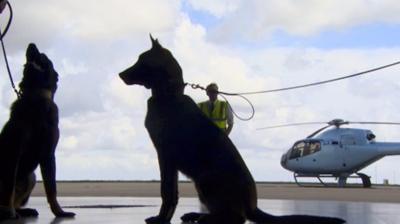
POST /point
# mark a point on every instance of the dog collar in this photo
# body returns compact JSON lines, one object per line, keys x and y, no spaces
{"x":45,"y":93}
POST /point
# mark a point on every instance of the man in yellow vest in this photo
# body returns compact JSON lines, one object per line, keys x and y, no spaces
{"x":217,"y":110}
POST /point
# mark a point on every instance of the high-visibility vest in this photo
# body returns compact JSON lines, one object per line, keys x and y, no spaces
{"x":218,"y":115}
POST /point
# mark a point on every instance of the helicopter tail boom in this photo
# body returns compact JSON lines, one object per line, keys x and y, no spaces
{"x":388,"y":148}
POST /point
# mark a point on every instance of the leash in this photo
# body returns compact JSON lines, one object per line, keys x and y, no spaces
{"x":9,"y":20}
{"x":253,"y":111}
{"x":197,"y":86}
{"x":2,"y":35}
{"x":320,"y":82}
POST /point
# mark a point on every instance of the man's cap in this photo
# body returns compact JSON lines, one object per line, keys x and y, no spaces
{"x":212,"y":87}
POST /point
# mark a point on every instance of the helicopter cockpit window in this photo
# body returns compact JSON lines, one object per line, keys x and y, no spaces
{"x":371,"y":137}
{"x":304,"y":148}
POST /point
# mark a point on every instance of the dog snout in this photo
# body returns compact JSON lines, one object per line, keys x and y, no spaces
{"x":126,"y":78}
{"x":122,"y":75}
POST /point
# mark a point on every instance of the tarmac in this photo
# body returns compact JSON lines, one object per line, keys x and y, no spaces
{"x":123,"y":210}
{"x":134,"y":201}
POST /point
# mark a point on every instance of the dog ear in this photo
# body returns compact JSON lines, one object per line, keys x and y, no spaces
{"x":152,"y":39}
{"x":154,"y":42}
{"x":32,"y":52}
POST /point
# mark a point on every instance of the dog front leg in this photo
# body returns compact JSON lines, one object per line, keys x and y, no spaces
{"x":10,"y":143}
{"x":48,"y":169}
{"x":7,"y":190}
{"x":169,"y":192}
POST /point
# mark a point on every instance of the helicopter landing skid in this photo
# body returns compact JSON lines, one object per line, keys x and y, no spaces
{"x":341,"y":182}
{"x":321,"y":183}
{"x":366,"y":180}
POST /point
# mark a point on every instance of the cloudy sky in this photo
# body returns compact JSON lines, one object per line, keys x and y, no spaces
{"x":243,"y":45}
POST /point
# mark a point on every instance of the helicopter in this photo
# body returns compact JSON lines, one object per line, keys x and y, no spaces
{"x":336,"y":152}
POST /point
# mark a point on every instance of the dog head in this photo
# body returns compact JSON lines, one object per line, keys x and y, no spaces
{"x":39,"y":73}
{"x":155,"y":68}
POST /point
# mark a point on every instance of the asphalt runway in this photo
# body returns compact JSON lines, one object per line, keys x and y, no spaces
{"x":123,"y":210}
{"x":276,"y":191}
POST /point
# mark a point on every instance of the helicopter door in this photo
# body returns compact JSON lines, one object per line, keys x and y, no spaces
{"x":345,"y":142}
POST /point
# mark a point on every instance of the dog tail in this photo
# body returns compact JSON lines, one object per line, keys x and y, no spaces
{"x":258,"y":216}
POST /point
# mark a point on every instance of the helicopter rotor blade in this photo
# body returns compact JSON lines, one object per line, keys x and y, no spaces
{"x":318,"y":131}
{"x":374,"y":122}
{"x":289,"y":125}
{"x":335,"y":122}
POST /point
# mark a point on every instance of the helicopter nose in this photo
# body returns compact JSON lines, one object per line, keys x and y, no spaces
{"x":284,"y":160}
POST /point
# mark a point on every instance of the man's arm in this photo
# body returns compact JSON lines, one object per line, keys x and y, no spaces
{"x":229,"y":121}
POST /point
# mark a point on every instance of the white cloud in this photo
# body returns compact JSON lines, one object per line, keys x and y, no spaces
{"x":47,"y":22}
{"x":70,"y":68}
{"x":257,"y":18}
{"x":216,"y":8}
{"x":129,"y":98}
{"x":99,"y":131}
{"x":70,"y":142}
{"x":204,"y":62}
{"x":93,"y":19}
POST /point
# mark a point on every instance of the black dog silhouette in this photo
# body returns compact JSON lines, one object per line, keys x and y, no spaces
{"x":187,"y":141}
{"x":29,"y":139}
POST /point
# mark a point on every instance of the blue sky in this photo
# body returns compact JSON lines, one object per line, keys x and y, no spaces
{"x":204,"y":18}
{"x":243,"y":45}
{"x":371,"y":35}
{"x":362,"y":37}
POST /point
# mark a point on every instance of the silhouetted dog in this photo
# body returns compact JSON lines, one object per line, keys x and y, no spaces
{"x":29,"y":139}
{"x":187,"y":141}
